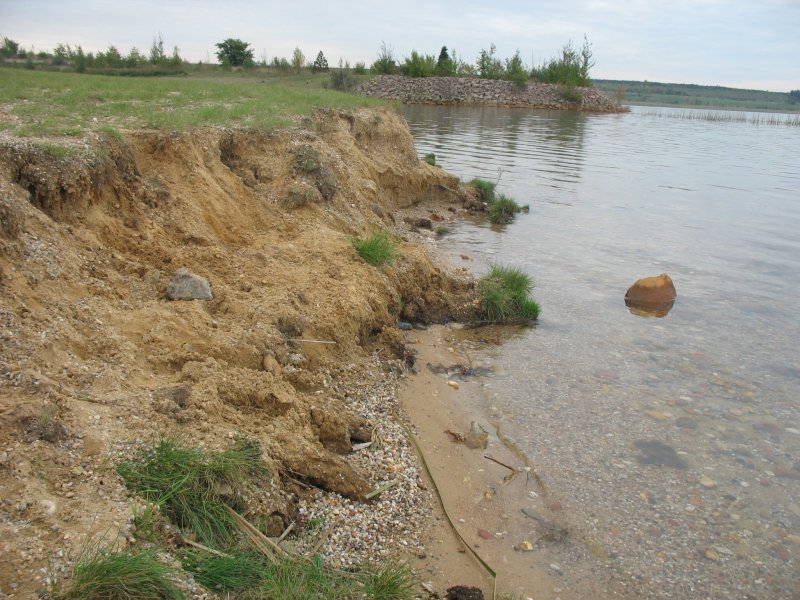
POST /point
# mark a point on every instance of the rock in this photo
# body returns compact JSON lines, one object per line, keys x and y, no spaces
{"x":453,"y":384}
{"x":405,"y":326}
{"x":462,"y":592}
{"x":525,"y":546}
{"x":477,"y":437}
{"x":486,"y":535}
{"x":270,"y":364}
{"x":707,"y":482}
{"x":711,"y":554}
{"x":651,"y":296}
{"x":185,"y":285}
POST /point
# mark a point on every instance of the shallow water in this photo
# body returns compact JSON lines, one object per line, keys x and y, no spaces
{"x":673,"y":443}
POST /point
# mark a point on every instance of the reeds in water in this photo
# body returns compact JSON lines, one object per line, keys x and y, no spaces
{"x":726,"y":116}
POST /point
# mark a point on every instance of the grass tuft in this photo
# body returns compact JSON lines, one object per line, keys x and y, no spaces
{"x":232,"y":573}
{"x":106,"y":573}
{"x":505,"y":296}
{"x":430,"y":158}
{"x":485,"y":188}
{"x":503,"y":210}
{"x":389,"y":581}
{"x":191,"y":488}
{"x":378,"y":249}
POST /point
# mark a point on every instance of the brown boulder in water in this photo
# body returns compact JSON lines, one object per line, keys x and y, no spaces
{"x":651,"y":296}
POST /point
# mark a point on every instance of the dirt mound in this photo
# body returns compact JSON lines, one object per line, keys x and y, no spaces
{"x":95,"y":360}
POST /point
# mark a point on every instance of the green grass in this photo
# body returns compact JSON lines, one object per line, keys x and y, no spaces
{"x":430,"y":158}
{"x":505,"y":296}
{"x":135,"y":575}
{"x":187,"y":485}
{"x":485,"y":188}
{"x":234,"y":572}
{"x":389,"y":581}
{"x":503,"y":209}
{"x":46,"y":103}
{"x":378,"y":249}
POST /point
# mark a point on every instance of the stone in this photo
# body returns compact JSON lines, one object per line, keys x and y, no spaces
{"x":486,"y":535}
{"x":185,"y":285}
{"x":651,"y":296}
{"x":711,"y":554}
{"x":463,"y":592}
{"x":271,"y":365}
{"x":707,"y":482}
{"x":525,"y":546}
{"x":453,"y":384}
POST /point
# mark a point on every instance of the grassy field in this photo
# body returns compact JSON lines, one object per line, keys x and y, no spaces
{"x":48,"y":103}
{"x":652,"y":93}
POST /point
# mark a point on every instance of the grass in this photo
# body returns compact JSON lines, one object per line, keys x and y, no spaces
{"x":503,"y":209}
{"x":378,"y":249}
{"x":430,"y":158}
{"x":485,"y":188}
{"x":234,"y":572}
{"x":186,"y":484}
{"x":46,"y":103}
{"x":505,"y":296}
{"x":135,"y":575}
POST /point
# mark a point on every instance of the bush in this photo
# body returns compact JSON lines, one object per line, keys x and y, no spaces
{"x":515,"y":71}
{"x":360,"y":68}
{"x":378,"y":249}
{"x":571,"y":69}
{"x":385,"y":64}
{"x":419,"y":65}
{"x":505,"y":296}
{"x":503,"y":210}
{"x":430,"y":158}
{"x":571,"y":94}
{"x":342,"y":80}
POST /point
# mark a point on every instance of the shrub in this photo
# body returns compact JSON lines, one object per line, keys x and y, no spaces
{"x":488,"y":66}
{"x":430,"y":158}
{"x":571,"y":94}
{"x":571,"y":69}
{"x":515,"y":71}
{"x":419,"y":65}
{"x":360,"y":68}
{"x":342,"y":80}
{"x":505,"y":296}
{"x":377,"y":249}
{"x":503,"y":210}
{"x":105,"y":573}
{"x":485,"y":188}
{"x":385,"y":64}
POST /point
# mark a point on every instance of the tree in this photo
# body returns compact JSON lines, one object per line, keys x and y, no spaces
{"x":157,"y":55}
{"x":794,"y":96}
{"x":234,"y":52}
{"x":321,"y":63}
{"x":298,"y":59}
{"x":9,"y":48}
{"x":444,"y":65}
{"x":490,"y":67}
{"x":385,"y":65}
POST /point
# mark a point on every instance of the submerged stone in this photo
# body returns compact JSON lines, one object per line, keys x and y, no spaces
{"x":651,"y":296}
{"x":655,"y":452}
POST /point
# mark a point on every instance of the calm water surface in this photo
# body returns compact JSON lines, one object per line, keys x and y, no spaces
{"x":673,"y":443}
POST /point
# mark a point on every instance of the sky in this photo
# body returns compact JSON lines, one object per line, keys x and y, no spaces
{"x":747,"y":44}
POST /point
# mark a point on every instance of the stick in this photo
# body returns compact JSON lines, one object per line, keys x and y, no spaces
{"x":286,"y":532}
{"x":205,"y":548}
{"x":494,"y":460}
{"x":260,"y":541}
{"x":382,"y":489}
{"x":321,"y":541}
{"x":310,"y":341}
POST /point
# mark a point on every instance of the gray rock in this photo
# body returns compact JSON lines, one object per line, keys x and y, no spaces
{"x":185,"y":285}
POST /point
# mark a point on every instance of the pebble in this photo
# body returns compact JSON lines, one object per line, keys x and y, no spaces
{"x":711,"y":554}
{"x":453,"y":384}
{"x":707,"y":482}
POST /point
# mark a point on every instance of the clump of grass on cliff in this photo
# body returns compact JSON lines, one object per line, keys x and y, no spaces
{"x":107,"y":573}
{"x":233,"y":572}
{"x":377,"y":249}
{"x":505,"y":296}
{"x":187,"y":485}
{"x":503,"y":210}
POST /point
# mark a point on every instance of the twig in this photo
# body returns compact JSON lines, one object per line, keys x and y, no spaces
{"x":365,"y":445}
{"x":502,"y":464}
{"x":285,"y":532}
{"x":320,"y":542}
{"x":259,"y":540}
{"x":382,"y":489}
{"x":310,"y":341}
{"x":204,"y":548}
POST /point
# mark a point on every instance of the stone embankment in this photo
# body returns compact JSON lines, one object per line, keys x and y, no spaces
{"x":487,"y":92}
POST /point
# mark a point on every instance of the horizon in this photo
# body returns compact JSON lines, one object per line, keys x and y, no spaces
{"x":691,"y":42}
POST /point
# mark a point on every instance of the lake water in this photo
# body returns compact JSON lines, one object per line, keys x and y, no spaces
{"x":672,"y":443}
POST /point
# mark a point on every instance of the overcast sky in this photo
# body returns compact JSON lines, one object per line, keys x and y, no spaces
{"x":749,"y":44}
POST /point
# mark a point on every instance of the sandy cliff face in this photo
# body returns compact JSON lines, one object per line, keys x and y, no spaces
{"x":95,"y":360}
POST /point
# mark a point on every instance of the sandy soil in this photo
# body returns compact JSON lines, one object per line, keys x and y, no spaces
{"x":95,"y":360}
